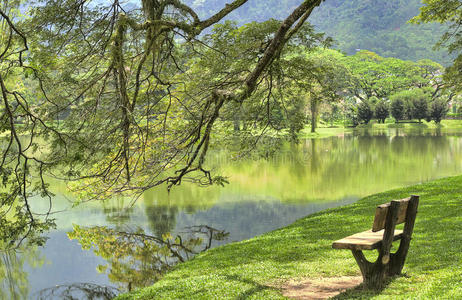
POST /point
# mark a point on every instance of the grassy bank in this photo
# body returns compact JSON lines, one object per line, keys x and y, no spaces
{"x":445,"y":124}
{"x":324,"y":130}
{"x":321,"y":132}
{"x":256,"y":268}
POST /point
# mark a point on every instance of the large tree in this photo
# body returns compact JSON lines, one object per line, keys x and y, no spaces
{"x":19,"y":127}
{"x":377,"y":76}
{"x":321,"y":76}
{"x":446,"y":12}
{"x":125,"y":97}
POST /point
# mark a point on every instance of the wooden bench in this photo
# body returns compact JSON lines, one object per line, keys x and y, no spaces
{"x":381,"y":237}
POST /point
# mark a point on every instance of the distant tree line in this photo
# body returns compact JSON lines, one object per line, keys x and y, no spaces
{"x":319,"y":84}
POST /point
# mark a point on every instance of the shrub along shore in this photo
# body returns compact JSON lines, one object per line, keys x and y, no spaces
{"x":325,"y":130}
{"x":259,"y":267}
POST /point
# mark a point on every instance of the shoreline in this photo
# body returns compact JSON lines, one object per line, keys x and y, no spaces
{"x":259,"y":267}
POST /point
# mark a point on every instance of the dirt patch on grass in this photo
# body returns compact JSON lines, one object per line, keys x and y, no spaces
{"x":322,"y":288}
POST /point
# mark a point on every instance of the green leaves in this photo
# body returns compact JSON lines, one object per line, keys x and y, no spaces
{"x":449,"y":12}
{"x":220,"y":180}
{"x":382,"y":110}
{"x":438,"y":110}
{"x":410,"y":104}
{"x":365,"y":112}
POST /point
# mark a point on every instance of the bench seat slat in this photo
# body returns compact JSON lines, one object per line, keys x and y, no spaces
{"x":366,"y":240}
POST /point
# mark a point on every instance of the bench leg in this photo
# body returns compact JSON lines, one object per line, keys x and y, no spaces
{"x":374,"y":274}
{"x":397,"y":259}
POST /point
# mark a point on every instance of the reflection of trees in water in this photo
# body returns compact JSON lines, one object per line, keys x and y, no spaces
{"x":438,"y":131}
{"x":382,"y":141}
{"x":14,"y":283}
{"x":260,"y":147}
{"x":246,"y":219}
{"x":397,"y":144}
{"x":78,"y":291}
{"x":136,"y":259}
{"x":117,"y":211}
{"x":314,"y":157}
{"x":366,"y":143}
{"x":162,"y":219}
{"x":420,"y":145}
{"x":355,"y":164}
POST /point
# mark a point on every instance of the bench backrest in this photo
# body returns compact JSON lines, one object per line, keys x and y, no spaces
{"x":382,"y":211}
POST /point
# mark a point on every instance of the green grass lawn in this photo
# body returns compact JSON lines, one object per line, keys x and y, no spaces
{"x":321,"y":132}
{"x":256,"y":268}
{"x":324,"y":130}
{"x":445,"y":124}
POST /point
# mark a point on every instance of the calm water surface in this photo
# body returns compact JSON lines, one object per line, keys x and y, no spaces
{"x":263,"y":195}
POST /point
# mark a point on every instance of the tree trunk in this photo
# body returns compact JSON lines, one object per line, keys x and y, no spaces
{"x":314,"y":113}
{"x":237,"y":123}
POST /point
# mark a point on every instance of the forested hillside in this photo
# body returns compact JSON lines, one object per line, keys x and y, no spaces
{"x":376,"y":25}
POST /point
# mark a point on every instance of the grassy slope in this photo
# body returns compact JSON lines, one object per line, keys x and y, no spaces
{"x":445,"y":124}
{"x":322,"y":131}
{"x":255,"y":268}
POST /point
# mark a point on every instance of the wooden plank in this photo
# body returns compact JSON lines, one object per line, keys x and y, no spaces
{"x":366,"y":240}
{"x":388,"y":235}
{"x":399,"y":257}
{"x":382,"y":210}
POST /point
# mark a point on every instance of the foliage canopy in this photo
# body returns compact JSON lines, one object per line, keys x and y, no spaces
{"x":126,"y":98}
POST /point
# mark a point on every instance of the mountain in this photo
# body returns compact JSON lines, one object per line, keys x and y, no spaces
{"x":380,"y":26}
{"x":376,"y":25}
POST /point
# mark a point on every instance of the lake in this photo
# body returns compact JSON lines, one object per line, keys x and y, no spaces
{"x":263,"y":195}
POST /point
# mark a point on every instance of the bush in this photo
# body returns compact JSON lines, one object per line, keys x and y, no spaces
{"x":352,"y":114}
{"x":408,"y":109}
{"x":410,"y":104}
{"x":439,"y":109}
{"x":397,"y":109}
{"x":382,"y":111}
{"x":420,"y":107}
{"x":365,"y":112}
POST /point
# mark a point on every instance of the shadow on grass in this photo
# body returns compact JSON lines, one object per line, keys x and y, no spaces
{"x":257,"y":288}
{"x":357,"y":293}
{"x":360,"y":292}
